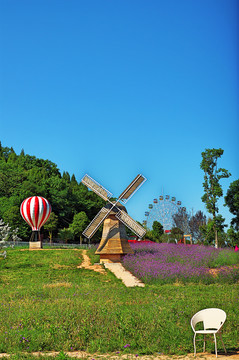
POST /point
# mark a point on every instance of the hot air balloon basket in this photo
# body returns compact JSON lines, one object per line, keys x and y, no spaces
{"x":35,"y":241}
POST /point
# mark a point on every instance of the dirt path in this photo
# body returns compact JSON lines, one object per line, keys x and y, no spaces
{"x":86,"y":264}
{"x":115,"y":356}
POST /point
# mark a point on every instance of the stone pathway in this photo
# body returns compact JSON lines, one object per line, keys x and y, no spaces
{"x":116,"y":268}
{"x":119,"y":271}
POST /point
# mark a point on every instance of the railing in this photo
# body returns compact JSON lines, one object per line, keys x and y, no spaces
{"x":12,"y":244}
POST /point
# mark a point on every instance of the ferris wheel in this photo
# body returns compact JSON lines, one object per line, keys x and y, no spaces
{"x":162,"y":210}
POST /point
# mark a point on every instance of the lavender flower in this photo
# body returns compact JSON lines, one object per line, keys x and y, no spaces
{"x":167,"y":263}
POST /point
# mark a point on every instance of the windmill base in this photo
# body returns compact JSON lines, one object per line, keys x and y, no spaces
{"x":114,"y":243}
{"x":33,"y":245}
{"x":110,"y":258}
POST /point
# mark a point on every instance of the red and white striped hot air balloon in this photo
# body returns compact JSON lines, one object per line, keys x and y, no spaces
{"x":35,"y":210}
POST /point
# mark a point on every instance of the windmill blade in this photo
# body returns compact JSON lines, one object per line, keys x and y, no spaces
{"x":130,"y":223}
{"x":96,"y":222}
{"x":96,"y":187}
{"x":131,"y":189}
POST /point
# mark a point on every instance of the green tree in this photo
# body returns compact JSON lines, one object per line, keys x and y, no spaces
{"x":176,"y":234}
{"x":212,"y":188}
{"x":157,"y":230}
{"x":51,"y":224}
{"x":207,"y":230}
{"x":220,"y":225}
{"x":66,"y":235}
{"x":232,"y":201}
{"x":164,"y":238}
{"x":232,"y":237}
{"x":13,"y":217}
{"x":149,"y":235}
{"x":80,"y":221}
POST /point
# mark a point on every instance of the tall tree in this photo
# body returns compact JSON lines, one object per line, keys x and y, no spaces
{"x":80,"y":221}
{"x":212,"y":188}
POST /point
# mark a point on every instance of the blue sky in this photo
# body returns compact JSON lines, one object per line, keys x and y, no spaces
{"x":117,"y":88}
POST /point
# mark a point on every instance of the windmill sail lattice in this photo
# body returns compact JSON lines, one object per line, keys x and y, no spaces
{"x":95,"y":223}
{"x":113,"y":213}
{"x":96,"y":187}
{"x":130,"y":223}
{"x":131,"y":189}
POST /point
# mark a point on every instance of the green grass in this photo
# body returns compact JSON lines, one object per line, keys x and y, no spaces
{"x":59,"y":356}
{"x":48,"y":304}
{"x":93,"y":257}
{"x":226,"y":258}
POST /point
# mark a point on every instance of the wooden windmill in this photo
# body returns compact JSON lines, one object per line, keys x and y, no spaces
{"x":114,"y":243}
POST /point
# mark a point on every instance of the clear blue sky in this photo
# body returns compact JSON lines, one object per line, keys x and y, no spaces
{"x":117,"y":88}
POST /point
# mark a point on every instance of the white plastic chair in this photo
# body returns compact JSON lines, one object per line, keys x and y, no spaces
{"x":213,"y":320}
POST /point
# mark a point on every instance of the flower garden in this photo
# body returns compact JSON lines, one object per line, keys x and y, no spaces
{"x":168,"y":263}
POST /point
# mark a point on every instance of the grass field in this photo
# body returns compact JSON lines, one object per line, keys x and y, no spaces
{"x":48,"y":304}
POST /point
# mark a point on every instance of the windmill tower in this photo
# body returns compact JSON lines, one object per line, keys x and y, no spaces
{"x":114,"y":243}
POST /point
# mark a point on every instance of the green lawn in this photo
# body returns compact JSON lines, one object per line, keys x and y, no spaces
{"x":48,"y":304}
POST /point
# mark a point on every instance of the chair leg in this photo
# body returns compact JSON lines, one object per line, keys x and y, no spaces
{"x":215,"y":340}
{"x":194,"y":344}
{"x":222,"y":343}
{"x":204,"y":343}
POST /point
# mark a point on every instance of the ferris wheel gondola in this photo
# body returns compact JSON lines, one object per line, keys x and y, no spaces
{"x":162,"y":210}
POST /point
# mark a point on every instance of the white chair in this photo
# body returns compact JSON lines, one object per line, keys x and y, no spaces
{"x":213,"y":320}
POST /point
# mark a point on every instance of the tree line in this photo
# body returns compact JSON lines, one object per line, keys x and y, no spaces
{"x":22,"y":176}
{"x":74,"y":206}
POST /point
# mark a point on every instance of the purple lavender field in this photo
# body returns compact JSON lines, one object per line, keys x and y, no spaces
{"x":170,"y":263}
